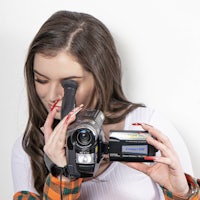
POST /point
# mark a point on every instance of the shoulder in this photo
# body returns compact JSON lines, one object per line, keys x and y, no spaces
{"x":150,"y":116}
{"x":18,"y":153}
{"x":140,"y":115}
{"x":21,"y":168}
{"x":17,"y":146}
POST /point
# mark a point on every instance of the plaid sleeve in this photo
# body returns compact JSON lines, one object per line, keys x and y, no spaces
{"x":24,"y":195}
{"x":53,"y":186}
{"x":194,"y":185}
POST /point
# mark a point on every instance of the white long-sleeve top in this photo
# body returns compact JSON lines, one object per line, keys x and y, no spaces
{"x":118,"y":181}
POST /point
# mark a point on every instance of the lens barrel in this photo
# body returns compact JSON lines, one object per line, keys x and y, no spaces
{"x":84,"y":136}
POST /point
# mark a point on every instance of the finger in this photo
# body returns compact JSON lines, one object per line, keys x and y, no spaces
{"x":72,"y":113}
{"x":165,"y":150}
{"x":54,"y":148}
{"x":165,"y":160}
{"x":152,"y":130}
{"x":139,"y":166}
{"x":70,"y":117}
{"x":158,"y":135}
{"x":58,"y":138}
{"x":47,"y":128}
{"x":59,"y":131}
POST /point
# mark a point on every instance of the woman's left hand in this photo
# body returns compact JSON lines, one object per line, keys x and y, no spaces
{"x":55,"y":139}
{"x":166,"y":170}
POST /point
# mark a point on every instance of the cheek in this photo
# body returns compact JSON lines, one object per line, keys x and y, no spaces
{"x":82,"y":98}
{"x":86,"y":97}
{"x":41,"y":90}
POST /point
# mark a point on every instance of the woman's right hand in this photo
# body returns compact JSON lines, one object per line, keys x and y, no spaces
{"x":55,"y":140}
{"x":166,"y":170}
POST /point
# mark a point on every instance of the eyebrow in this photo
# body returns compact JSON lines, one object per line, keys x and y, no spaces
{"x":35,"y":71}
{"x":70,"y":77}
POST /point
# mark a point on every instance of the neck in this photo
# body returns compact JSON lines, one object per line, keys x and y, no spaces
{"x":105,"y":162}
{"x":108,"y":127}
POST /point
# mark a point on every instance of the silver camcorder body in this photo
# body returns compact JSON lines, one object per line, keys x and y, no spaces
{"x":85,"y":140}
{"x":86,"y":145}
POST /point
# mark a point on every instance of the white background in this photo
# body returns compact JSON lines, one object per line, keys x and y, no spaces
{"x":159,"y":44}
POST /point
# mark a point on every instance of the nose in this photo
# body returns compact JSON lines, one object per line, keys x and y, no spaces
{"x":56,"y":91}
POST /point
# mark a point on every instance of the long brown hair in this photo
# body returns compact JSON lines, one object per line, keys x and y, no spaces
{"x":90,"y":42}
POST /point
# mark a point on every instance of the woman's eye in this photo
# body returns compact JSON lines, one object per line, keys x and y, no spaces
{"x":41,"y":81}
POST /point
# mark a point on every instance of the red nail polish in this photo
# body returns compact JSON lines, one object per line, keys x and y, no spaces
{"x":150,"y":158}
{"x":67,"y":118}
{"x":137,"y":124}
{"x":73,"y":112}
{"x":54,"y":105}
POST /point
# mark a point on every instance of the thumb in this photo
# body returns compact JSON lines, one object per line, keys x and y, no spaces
{"x":142,"y":167}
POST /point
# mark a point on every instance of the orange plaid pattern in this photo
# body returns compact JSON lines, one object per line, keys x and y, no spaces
{"x":24,"y":195}
{"x":71,"y":190}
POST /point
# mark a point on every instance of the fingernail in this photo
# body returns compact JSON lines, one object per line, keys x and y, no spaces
{"x":150,"y":158}
{"x":67,"y":118}
{"x":54,"y":105}
{"x":137,"y":124}
{"x":77,"y":109}
{"x":74,"y":112}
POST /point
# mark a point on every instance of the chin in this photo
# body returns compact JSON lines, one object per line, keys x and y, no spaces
{"x":58,"y":116}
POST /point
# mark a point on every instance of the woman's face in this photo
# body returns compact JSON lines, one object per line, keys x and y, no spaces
{"x":50,"y":71}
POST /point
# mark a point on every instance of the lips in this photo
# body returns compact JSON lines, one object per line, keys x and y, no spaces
{"x":55,"y":105}
{"x":52,"y":106}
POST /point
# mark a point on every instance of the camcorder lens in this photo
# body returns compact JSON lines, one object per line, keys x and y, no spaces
{"x":84,"y":137}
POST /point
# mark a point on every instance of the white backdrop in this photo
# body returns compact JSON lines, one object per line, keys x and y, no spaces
{"x":159,"y":44}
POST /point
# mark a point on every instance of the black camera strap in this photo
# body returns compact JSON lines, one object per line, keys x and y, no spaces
{"x":54,"y":169}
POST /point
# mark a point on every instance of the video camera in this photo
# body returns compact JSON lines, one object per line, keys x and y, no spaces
{"x":85,"y":142}
{"x":87,"y":146}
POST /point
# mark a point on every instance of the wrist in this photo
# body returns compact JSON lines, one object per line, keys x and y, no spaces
{"x":59,"y":171}
{"x":191,"y":192}
{"x":64,"y":179}
{"x":185,"y":194}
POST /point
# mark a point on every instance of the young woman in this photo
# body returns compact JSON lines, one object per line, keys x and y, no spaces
{"x":77,"y":46}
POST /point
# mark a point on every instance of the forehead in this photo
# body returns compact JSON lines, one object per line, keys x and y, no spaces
{"x":58,"y":66}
